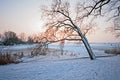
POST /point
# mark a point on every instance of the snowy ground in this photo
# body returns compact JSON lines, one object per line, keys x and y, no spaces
{"x":65,"y":67}
{"x":107,"y":68}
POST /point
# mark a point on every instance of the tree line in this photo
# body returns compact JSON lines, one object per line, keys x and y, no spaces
{"x":11,"y":38}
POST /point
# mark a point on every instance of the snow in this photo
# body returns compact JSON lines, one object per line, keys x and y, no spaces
{"x":107,"y":68}
{"x":18,"y":47}
{"x":98,"y":48}
{"x":65,"y":67}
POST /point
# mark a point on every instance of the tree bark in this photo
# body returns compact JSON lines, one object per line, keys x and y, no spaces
{"x":88,"y":47}
{"x":86,"y":44}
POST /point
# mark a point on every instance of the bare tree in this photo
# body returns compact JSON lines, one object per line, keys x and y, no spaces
{"x":99,"y":7}
{"x":108,"y":8}
{"x":22,"y":36}
{"x":116,"y":29}
{"x":61,"y":22}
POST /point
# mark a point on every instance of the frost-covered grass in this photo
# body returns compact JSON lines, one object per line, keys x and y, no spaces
{"x":7,"y":59}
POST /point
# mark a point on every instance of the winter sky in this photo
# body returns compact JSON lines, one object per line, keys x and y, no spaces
{"x":25,"y":16}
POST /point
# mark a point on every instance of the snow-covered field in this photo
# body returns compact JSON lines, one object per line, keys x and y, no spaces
{"x":107,"y":68}
{"x":65,"y":67}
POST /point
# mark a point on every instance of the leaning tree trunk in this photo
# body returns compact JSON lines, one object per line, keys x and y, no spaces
{"x":88,"y":47}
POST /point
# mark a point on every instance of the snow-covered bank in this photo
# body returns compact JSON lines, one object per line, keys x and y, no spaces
{"x":107,"y":68}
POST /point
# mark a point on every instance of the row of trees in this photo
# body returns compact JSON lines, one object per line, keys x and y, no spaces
{"x":11,"y":38}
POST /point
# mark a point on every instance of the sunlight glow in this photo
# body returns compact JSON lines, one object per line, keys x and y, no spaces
{"x":25,"y":16}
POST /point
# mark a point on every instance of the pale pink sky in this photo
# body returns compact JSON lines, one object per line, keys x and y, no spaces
{"x":25,"y":16}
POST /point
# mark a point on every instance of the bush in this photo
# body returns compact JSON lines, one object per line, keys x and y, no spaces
{"x":7,"y":59}
{"x":41,"y":49}
{"x":113,"y":51}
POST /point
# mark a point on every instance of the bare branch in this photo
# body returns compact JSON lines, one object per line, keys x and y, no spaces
{"x":62,"y":25}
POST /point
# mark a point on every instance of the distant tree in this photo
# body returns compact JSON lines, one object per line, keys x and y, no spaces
{"x":22,"y":37}
{"x":30,"y":40}
{"x":1,"y":39}
{"x":10,"y":38}
{"x":36,"y":37}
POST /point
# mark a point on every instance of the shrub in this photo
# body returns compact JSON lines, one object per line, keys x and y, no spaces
{"x":113,"y":51}
{"x":41,"y":49}
{"x":21,"y":55}
{"x":7,"y":59}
